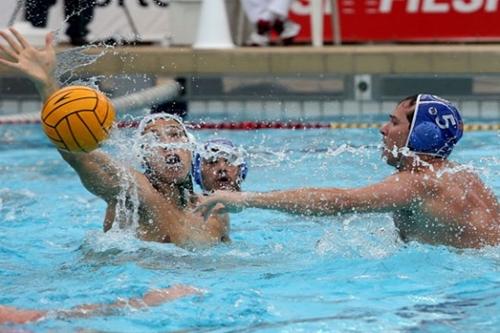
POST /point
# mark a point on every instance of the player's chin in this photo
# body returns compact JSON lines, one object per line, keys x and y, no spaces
{"x":388,"y":157}
{"x":384,"y":153}
{"x":391,"y":160}
{"x":227,"y":186}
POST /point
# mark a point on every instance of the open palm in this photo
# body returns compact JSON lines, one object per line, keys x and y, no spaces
{"x":37,"y":64}
{"x":220,"y":202}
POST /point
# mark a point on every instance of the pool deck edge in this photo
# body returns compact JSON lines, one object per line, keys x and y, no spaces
{"x":298,"y":60}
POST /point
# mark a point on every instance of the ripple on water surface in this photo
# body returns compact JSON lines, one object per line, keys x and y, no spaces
{"x":280,"y":273}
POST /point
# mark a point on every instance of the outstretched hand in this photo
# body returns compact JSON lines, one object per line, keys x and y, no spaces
{"x":232,"y":202}
{"x":37,"y":64}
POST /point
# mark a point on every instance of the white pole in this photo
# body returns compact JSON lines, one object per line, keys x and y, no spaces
{"x":213,"y":26}
{"x":317,"y":22}
{"x":335,"y":16}
{"x":19,"y":6}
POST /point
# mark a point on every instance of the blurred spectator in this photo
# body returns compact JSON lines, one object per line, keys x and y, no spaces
{"x":78,"y":14}
{"x":37,"y":11}
{"x":268,"y":15}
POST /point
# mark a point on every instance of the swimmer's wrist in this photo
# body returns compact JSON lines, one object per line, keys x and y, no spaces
{"x":251,"y":199}
{"x":46,"y":87}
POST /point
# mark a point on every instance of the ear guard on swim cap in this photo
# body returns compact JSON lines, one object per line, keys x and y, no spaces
{"x":197,"y":169}
{"x":223,"y":147}
{"x":436,"y":127}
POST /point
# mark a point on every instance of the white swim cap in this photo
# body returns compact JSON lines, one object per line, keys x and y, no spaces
{"x":151,"y":118}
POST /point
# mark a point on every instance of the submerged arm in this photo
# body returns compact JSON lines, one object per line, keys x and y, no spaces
{"x":152,"y":298}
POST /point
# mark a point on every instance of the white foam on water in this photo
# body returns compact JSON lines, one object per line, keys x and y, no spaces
{"x":360,"y":235}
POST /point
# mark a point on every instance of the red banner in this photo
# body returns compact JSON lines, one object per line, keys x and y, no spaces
{"x":406,"y":20}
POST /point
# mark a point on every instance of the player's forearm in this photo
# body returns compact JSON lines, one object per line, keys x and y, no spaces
{"x":151,"y":298}
{"x":18,"y":316}
{"x":89,"y":310}
{"x":99,"y":174}
{"x":303,"y":201}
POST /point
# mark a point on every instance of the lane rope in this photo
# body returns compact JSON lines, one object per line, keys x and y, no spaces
{"x":250,"y":125}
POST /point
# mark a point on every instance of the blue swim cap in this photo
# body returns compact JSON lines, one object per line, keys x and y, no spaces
{"x":215,"y":148}
{"x":436,"y":127}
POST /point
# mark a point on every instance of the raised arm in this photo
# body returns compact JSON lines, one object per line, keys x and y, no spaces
{"x":397,"y":191}
{"x":36,"y":64}
{"x":98,"y":173}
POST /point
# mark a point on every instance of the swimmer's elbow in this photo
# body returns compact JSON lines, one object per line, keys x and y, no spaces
{"x":107,"y":225}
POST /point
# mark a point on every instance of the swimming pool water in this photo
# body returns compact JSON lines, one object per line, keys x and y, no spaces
{"x":280,"y":273}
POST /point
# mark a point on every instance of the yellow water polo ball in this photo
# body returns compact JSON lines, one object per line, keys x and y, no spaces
{"x":77,"y":118}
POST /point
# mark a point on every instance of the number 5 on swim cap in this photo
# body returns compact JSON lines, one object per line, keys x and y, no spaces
{"x":77,"y":118}
{"x":436,"y":126}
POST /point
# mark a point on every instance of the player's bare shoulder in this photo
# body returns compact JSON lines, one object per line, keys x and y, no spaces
{"x":417,"y":183}
{"x":216,"y":225}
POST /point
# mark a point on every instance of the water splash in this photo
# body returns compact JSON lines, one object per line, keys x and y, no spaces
{"x":265,"y":157}
{"x":127,"y":203}
{"x":365,"y":236}
{"x":129,"y":149}
{"x":126,"y":157}
{"x":69,"y":61}
{"x":456,"y":169}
